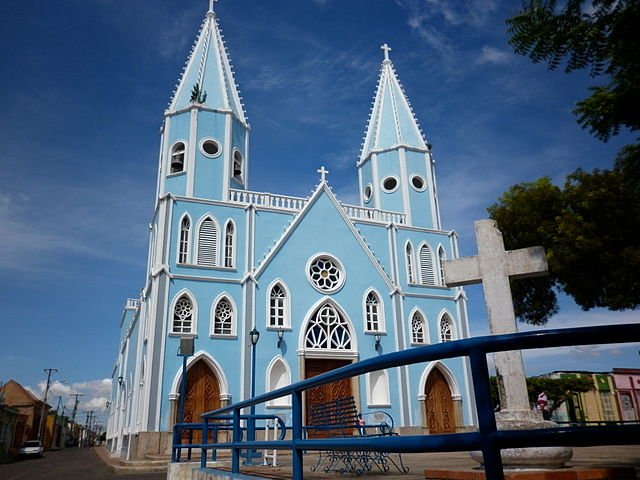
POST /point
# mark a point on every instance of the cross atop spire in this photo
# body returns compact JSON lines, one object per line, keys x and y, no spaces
{"x":211,"y":2}
{"x":323,"y":174}
{"x":386,"y":48}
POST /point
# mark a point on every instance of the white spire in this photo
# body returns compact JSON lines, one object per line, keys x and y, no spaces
{"x":209,"y":68}
{"x":392,"y":122}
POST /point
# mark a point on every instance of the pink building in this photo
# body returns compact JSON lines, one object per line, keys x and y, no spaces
{"x":627,"y":382}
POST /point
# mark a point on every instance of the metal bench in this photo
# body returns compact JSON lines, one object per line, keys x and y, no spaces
{"x":340,"y":418}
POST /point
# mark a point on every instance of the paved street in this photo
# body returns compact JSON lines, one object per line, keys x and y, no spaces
{"x":70,"y":463}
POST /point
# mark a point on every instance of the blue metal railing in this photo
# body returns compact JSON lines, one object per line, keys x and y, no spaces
{"x":487,"y":438}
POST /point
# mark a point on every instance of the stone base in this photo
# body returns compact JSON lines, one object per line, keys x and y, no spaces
{"x":533,"y":457}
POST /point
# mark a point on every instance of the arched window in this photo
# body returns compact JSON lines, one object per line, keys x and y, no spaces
{"x":177,"y":158}
{"x":418,"y":329}
{"x":278,"y":311}
{"x":228,"y":245}
{"x":183,"y":247}
{"x":183,"y":315}
{"x":328,"y":330}
{"x":278,"y":376}
{"x":446,"y":328}
{"x":372,"y":313}
{"x":426,"y":266}
{"x":442,"y":256}
{"x":208,"y":243}
{"x":410,"y":271}
{"x":223,"y":318}
{"x":378,"y":389}
{"x":238,"y":164}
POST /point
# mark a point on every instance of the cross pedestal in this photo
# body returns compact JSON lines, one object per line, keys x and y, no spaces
{"x":494,"y":267}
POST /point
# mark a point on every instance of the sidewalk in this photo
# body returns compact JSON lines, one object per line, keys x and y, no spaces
{"x":583,"y":457}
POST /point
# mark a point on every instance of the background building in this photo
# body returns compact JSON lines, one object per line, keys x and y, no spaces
{"x":326,"y":283}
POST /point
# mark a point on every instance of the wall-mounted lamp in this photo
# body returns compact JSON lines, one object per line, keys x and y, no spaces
{"x":377,"y":338}
{"x":280,"y":337}
{"x":120,"y":380}
{"x":108,"y":405}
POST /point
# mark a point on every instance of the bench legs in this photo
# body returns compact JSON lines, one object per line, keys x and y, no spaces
{"x":357,"y":462}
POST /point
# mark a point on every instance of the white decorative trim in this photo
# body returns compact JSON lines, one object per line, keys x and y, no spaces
{"x":287,"y":306}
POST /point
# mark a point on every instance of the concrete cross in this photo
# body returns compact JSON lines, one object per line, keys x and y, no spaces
{"x":493,"y":267}
{"x":211,"y":2}
{"x":323,"y":173}
{"x":386,"y":49}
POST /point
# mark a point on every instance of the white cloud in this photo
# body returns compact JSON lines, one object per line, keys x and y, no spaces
{"x":94,"y":394}
{"x":493,"y":55}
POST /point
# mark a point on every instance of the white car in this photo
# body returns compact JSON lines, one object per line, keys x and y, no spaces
{"x":31,"y":448}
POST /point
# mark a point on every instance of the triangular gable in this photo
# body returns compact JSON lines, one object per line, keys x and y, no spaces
{"x":323,"y":189}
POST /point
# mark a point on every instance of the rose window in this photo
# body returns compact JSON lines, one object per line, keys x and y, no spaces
{"x":326,"y":274}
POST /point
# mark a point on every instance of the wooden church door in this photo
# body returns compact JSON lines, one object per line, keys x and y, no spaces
{"x":329,"y":391}
{"x":203,"y":393}
{"x":439,"y":404}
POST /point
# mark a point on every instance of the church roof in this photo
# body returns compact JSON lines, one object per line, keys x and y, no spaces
{"x":209,"y":68}
{"x":392,"y":122}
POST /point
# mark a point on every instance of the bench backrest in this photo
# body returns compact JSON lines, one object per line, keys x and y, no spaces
{"x":334,"y":418}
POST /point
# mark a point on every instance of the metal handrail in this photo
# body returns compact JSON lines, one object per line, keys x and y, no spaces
{"x":487,"y":438}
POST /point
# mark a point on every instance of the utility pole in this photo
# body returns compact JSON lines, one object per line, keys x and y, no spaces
{"x":73,"y":414}
{"x":44,"y":402}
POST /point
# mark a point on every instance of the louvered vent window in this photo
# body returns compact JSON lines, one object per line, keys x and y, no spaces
{"x":426,"y":266}
{"x":207,"y":243}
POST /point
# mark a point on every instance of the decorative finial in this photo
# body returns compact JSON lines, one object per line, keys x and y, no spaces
{"x":211,"y":2}
{"x":386,"y":49}
{"x":323,"y":174}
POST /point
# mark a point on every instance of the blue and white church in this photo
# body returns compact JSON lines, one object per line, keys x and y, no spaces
{"x":224,"y":260}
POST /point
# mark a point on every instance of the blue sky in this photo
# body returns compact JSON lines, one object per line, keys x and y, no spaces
{"x":83,"y":89}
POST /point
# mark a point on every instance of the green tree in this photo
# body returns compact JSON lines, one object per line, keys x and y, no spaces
{"x":558,"y":390}
{"x":600,"y":36}
{"x":588,"y":226}
{"x":589,"y":231}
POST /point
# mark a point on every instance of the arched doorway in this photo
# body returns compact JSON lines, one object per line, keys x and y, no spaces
{"x":328,"y":344}
{"x":439,"y":413}
{"x":203,"y":392}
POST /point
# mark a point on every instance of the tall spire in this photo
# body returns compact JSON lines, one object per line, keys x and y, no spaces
{"x":392,"y":122}
{"x":209,"y":68}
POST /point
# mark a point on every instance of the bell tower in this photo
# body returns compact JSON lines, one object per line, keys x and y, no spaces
{"x":205,"y":133}
{"x":396,"y":169}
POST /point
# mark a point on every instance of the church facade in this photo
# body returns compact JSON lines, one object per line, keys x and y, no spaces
{"x":224,"y":260}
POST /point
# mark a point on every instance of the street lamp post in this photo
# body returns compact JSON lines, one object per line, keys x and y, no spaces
{"x":254,"y":336}
{"x":185,"y":351}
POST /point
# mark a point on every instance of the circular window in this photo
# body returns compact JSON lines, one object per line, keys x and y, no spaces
{"x":367,"y":193}
{"x":417,"y":182}
{"x":389,"y":184}
{"x":210,"y":148}
{"x":325,"y":273}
